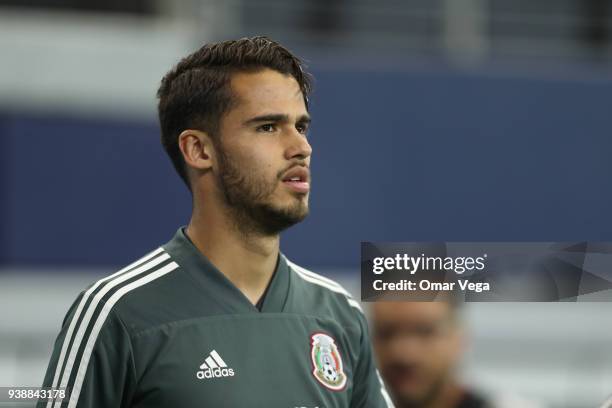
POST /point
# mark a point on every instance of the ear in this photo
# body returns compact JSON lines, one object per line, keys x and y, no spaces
{"x":197,"y":149}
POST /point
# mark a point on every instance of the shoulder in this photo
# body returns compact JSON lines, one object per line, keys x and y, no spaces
{"x":140,"y":273}
{"x":324,"y":288}
{"x":509,"y":401}
{"x":118,"y":292}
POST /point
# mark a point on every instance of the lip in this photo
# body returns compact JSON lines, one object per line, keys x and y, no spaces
{"x":297,"y":171}
{"x":303,"y":184}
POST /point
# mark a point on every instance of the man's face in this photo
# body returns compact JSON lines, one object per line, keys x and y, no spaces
{"x":263,"y":154}
{"x":417,"y":344}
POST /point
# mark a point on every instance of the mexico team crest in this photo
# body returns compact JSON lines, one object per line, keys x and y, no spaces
{"x":326,"y":362}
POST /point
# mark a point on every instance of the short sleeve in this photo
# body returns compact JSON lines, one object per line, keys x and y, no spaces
{"x":368,"y":390}
{"x":93,"y":358}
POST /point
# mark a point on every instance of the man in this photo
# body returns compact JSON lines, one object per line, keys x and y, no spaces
{"x":218,"y":317}
{"x":419,"y":346}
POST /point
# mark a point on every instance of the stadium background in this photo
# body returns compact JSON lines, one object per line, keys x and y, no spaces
{"x":433,"y":120}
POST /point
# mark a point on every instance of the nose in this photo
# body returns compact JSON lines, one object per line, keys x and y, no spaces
{"x":298,"y":146}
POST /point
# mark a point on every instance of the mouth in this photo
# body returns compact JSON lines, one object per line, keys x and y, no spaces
{"x":298,"y":179}
{"x":405,"y":377}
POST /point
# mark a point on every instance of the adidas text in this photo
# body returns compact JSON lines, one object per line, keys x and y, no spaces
{"x":215,"y":373}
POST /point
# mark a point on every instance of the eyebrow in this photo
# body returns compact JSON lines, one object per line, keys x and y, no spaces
{"x":277,"y":117}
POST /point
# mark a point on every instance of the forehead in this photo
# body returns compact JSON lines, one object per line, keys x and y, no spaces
{"x":406,"y":312}
{"x":266,"y":90}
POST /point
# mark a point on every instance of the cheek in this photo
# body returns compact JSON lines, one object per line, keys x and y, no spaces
{"x":444,"y":355}
{"x":263,"y":166}
{"x":258,"y":161}
{"x":383,"y":354}
{"x":264,"y":171}
{"x":252,"y":163}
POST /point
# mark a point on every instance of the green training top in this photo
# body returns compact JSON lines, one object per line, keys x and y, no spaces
{"x":170,"y":330}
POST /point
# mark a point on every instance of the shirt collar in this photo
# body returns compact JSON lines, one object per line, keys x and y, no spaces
{"x":219,"y":286}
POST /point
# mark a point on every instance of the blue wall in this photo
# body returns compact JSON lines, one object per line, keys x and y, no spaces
{"x":397,"y":156}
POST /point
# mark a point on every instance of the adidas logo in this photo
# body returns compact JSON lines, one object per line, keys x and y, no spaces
{"x":214,"y":367}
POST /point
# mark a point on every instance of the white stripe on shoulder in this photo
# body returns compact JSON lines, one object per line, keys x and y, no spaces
{"x":77,"y":313}
{"x":317,"y":276}
{"x":151,"y":260}
{"x":80,"y":376}
{"x":317,"y":279}
{"x":355,"y":304}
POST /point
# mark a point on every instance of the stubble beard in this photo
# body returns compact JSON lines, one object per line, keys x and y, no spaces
{"x":247,"y":196}
{"x":422,"y":401}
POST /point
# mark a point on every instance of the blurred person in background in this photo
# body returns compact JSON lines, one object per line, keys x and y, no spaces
{"x":419,"y":346}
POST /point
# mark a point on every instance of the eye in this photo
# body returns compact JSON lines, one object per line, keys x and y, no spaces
{"x":384,"y":333}
{"x":268,"y":128}
{"x":302,"y":128}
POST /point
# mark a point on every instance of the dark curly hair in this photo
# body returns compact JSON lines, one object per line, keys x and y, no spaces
{"x":195,"y":94}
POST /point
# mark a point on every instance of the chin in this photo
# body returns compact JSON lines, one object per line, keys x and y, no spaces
{"x":294,"y":208}
{"x":411,"y":400}
{"x":418,"y":395}
{"x":292,"y":214}
{"x":272,"y":220}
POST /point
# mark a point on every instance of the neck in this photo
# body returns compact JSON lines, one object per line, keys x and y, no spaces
{"x":247,"y":259}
